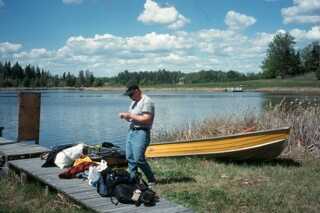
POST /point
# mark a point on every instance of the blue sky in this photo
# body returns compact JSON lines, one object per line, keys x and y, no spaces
{"x":109,"y":36}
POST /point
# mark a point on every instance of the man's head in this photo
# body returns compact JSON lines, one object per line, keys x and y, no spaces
{"x":133,"y":91}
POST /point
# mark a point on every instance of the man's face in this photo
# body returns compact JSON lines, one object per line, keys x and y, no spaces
{"x":134,"y":95}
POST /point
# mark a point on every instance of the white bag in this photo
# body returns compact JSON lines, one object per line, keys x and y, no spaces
{"x":93,"y":176}
{"x":102,"y":165}
{"x":95,"y":172}
{"x":66,"y":157}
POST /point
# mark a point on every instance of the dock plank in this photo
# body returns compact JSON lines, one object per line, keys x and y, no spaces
{"x":81,"y":192}
{"x":22,"y":148}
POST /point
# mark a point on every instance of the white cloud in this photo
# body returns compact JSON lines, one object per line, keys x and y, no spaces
{"x":109,"y":54}
{"x":1,"y":3}
{"x":238,"y":21}
{"x":179,"y":23}
{"x":110,"y":44}
{"x":312,"y":34}
{"x":155,"y":14}
{"x":7,"y":47}
{"x":302,"y":11}
{"x":72,"y":1}
{"x":34,"y":54}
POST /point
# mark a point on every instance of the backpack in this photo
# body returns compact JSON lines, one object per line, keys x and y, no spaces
{"x":109,"y":152}
{"x":109,"y":178}
{"x":123,"y":193}
{"x":134,"y":193}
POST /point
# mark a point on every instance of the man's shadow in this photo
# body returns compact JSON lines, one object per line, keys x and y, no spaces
{"x":168,"y":180}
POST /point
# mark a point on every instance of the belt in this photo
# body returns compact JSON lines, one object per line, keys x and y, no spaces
{"x":139,"y":128}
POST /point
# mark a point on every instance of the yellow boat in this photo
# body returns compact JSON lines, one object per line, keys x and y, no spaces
{"x":266,"y":145}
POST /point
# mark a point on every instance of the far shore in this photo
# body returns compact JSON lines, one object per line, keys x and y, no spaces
{"x":313,"y":90}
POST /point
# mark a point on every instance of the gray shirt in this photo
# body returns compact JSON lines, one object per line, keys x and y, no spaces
{"x":145,"y":105}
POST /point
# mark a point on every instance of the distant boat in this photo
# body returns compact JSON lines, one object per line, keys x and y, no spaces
{"x":259,"y":145}
{"x":234,"y":89}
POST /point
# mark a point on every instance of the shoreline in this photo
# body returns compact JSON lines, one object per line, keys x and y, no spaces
{"x":312,"y":90}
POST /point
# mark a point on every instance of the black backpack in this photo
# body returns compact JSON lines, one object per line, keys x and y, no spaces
{"x":109,"y":179}
{"x":134,"y":193}
{"x":123,"y":193}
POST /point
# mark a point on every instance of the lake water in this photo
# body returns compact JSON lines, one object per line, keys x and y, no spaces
{"x":92,"y":117}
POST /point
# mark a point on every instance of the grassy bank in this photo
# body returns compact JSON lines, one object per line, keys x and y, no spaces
{"x":296,"y":82}
{"x":205,"y":185}
{"x":287,"y":184}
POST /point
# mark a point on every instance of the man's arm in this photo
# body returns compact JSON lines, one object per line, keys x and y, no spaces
{"x":145,"y":118}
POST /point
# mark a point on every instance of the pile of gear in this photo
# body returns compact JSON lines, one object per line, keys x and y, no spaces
{"x":102,"y":165}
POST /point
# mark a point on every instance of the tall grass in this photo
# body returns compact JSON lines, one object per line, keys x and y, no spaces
{"x":304,"y":120}
{"x":302,"y":117}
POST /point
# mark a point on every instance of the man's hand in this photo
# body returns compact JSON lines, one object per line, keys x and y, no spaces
{"x":125,"y":115}
{"x":145,"y":118}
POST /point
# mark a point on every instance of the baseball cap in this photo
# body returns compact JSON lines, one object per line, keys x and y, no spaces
{"x":130,"y":89}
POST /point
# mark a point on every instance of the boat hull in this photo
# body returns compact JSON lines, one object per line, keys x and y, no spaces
{"x":255,"y":145}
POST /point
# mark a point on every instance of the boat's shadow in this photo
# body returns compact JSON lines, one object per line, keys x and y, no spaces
{"x":285,"y":162}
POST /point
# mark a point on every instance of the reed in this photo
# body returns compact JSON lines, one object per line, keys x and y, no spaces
{"x":302,"y":117}
{"x":304,"y":120}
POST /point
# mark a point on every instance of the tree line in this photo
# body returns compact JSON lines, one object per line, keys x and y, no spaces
{"x":163,"y":76}
{"x":31,"y":76}
{"x":283,"y":60}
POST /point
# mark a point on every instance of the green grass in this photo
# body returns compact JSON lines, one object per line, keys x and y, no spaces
{"x":206,"y":185}
{"x":203,"y":184}
{"x":15,"y":197}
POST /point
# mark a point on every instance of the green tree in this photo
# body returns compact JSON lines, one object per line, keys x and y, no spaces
{"x":318,"y":73}
{"x":311,"y":57}
{"x":70,"y":80}
{"x":81,"y":78}
{"x":89,"y":78}
{"x":282,"y":59}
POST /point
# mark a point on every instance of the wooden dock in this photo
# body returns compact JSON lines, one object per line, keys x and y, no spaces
{"x":83,"y":194}
{"x":22,"y":150}
{"x":4,"y":141}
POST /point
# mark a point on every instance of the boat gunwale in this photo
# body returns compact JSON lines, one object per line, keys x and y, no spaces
{"x":255,"y":133}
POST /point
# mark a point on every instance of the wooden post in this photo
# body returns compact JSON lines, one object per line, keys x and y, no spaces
{"x":23,"y":178}
{"x":29,"y":116}
{"x":1,"y":128}
{"x":46,"y":190}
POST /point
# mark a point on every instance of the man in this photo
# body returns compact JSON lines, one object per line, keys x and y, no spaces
{"x":140,"y":117}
